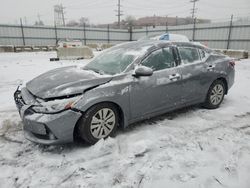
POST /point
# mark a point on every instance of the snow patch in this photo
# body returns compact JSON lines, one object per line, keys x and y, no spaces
{"x":192,"y":147}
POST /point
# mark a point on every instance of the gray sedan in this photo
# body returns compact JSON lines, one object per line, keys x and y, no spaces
{"x":125,"y":84}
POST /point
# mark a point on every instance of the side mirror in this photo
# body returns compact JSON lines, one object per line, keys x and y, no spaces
{"x":143,"y":71}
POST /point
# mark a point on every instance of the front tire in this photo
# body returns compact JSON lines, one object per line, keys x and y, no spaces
{"x":215,"y":95}
{"x":100,"y":121}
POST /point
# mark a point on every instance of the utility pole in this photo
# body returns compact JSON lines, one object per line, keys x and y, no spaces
{"x":193,"y":10}
{"x":22,"y":30}
{"x":119,"y":13}
{"x":63,"y":18}
{"x":194,"y":29}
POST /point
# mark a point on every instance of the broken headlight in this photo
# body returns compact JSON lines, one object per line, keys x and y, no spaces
{"x":55,"y":106}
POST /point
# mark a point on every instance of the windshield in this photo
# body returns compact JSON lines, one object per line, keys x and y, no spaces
{"x":113,"y":61}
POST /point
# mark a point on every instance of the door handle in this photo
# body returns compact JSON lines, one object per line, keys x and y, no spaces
{"x":174,"y":77}
{"x":210,"y":67}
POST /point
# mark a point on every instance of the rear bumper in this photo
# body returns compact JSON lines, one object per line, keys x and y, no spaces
{"x":47,"y":128}
{"x":231,"y":78}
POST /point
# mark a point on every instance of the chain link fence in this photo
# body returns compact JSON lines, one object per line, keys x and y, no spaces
{"x":224,"y":35}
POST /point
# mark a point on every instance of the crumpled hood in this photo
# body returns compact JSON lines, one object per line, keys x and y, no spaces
{"x":65,"y":81}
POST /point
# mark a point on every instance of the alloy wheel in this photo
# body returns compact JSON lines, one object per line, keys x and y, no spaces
{"x":217,"y":94}
{"x":102,"y":123}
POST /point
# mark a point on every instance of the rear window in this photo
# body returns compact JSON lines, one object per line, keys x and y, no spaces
{"x":213,"y":58}
{"x":203,"y":54}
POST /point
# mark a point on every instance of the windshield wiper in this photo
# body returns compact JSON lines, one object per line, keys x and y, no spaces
{"x":94,"y":70}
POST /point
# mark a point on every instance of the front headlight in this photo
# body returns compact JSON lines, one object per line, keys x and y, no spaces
{"x":56,"y":105}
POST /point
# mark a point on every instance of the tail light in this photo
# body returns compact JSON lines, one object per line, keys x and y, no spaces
{"x":232,"y":63}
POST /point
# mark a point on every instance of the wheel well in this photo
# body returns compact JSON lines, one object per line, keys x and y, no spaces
{"x":120,"y":114}
{"x":225,"y":83}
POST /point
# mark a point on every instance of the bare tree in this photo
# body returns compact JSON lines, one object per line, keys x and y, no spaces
{"x":84,"y":20}
{"x":40,"y":22}
{"x":72,"y":23}
{"x":130,"y":20}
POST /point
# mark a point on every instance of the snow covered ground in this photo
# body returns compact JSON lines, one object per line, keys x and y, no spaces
{"x":193,"y":147}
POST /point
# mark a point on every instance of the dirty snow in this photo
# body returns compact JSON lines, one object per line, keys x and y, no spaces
{"x":193,"y":147}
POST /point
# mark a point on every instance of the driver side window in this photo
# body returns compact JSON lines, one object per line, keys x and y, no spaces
{"x":160,"y":59}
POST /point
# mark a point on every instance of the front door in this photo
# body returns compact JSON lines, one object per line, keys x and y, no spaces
{"x":159,"y":92}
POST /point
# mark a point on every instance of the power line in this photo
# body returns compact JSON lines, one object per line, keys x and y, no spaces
{"x":218,"y":6}
{"x":84,"y":4}
{"x":169,"y":14}
{"x":152,"y":9}
{"x":145,"y":6}
{"x":91,"y":8}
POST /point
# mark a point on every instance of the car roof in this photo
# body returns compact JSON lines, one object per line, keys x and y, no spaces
{"x":149,"y":44}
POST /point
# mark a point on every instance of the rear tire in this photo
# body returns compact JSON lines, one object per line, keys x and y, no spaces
{"x":100,"y":121}
{"x":215,"y":95}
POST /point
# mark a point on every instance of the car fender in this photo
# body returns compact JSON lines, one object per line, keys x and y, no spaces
{"x":117,"y":92}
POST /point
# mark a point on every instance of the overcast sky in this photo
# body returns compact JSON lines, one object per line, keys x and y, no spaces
{"x":102,"y":11}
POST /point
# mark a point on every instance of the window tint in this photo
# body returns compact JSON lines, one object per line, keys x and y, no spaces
{"x":189,"y":55}
{"x":160,"y":59}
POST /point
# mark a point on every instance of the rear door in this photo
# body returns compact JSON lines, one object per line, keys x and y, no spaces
{"x":194,"y":74}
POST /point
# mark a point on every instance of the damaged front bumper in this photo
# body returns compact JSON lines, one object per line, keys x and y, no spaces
{"x":57,"y":128}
